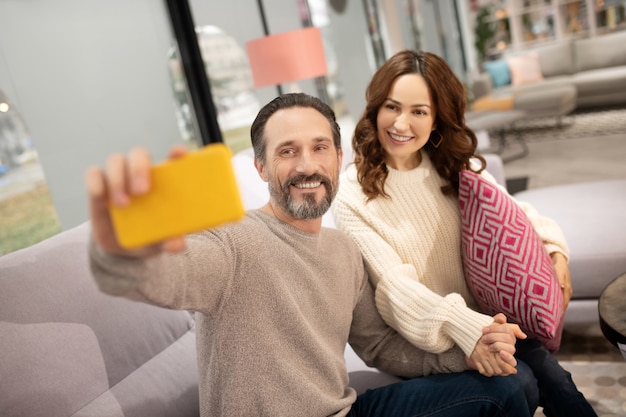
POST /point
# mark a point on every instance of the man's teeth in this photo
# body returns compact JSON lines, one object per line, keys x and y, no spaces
{"x":400,"y":138}
{"x":308,"y":184}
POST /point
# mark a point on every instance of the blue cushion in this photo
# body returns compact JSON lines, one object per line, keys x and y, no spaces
{"x":499,"y":72}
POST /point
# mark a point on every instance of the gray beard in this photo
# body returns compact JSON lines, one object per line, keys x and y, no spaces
{"x":308,"y":209}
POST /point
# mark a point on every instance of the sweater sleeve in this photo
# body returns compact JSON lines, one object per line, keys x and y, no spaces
{"x":382,"y":347}
{"x":429,"y":321}
{"x":196,"y":279}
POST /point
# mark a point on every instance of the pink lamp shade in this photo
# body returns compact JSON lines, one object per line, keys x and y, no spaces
{"x":287,"y":57}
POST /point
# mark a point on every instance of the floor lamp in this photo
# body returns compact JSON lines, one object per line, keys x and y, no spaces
{"x":286,"y":57}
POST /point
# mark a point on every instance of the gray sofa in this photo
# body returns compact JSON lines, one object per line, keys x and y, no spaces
{"x":595,"y":66}
{"x":70,"y":350}
{"x":592,"y":216}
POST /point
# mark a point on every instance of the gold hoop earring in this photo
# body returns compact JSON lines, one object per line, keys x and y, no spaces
{"x":436,"y":145}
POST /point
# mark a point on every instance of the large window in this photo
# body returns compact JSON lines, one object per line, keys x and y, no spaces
{"x":26,"y":209}
{"x":533,"y":22}
{"x":230,"y":79}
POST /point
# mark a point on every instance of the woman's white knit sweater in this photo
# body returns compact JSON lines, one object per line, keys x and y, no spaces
{"x":412,"y":249}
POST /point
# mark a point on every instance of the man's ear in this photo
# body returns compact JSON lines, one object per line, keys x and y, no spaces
{"x":260,"y":167}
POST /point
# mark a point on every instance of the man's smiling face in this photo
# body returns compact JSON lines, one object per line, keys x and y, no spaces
{"x":302,"y":163}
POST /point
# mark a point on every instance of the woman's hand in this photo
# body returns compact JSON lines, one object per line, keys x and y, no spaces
{"x":493,"y":354}
{"x":115,"y":184}
{"x":563,"y":275}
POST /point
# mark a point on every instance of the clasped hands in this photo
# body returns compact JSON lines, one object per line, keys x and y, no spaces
{"x":493,"y":354}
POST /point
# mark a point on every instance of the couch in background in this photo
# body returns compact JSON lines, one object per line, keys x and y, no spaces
{"x":556,"y":78}
{"x":592,"y":216}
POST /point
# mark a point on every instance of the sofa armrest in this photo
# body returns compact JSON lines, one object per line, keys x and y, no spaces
{"x":70,"y":350}
{"x":481,"y":85}
{"x":495,"y":167}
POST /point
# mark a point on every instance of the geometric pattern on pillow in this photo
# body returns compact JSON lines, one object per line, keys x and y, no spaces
{"x":506,"y":266}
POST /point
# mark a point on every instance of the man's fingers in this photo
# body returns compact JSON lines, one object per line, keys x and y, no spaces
{"x":139,"y":163}
{"x":502,"y":346}
{"x":480,"y":368}
{"x":519,"y":333}
{"x":174,"y":245}
{"x":502,"y":364}
{"x":124,"y":176}
{"x":496,"y":366}
{"x":499,"y":318}
{"x":506,"y":328}
{"x":508,"y":359}
{"x":116,"y":177}
{"x":177,"y":151}
{"x":94,"y":182}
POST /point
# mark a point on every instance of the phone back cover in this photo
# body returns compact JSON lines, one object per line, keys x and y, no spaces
{"x":192,"y":193}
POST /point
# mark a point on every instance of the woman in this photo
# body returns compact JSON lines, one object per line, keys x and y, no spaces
{"x":399,"y":202}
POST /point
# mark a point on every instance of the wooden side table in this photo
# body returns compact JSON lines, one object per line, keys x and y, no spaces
{"x":612,"y":312}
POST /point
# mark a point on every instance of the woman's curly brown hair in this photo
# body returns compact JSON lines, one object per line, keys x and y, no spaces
{"x":458,"y":144}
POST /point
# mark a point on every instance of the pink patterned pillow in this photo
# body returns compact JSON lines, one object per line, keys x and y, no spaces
{"x":506,"y":265}
{"x":525,"y":69}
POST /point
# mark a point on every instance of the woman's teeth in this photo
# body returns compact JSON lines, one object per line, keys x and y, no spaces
{"x":400,"y":138}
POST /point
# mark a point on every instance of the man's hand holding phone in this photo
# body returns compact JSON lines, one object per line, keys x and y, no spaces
{"x":138,"y":209}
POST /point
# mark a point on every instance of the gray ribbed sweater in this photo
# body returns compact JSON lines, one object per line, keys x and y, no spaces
{"x":275,"y":308}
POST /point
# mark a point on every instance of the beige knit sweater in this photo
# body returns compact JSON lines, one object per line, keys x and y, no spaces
{"x":412,"y":249}
{"x":275,"y":308}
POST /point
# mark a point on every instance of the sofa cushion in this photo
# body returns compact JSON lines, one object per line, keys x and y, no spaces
{"x":499,"y":72}
{"x":525,"y":68}
{"x":84,"y":353}
{"x":592,"y":216}
{"x":363,"y":377}
{"x":37,"y":356}
{"x":506,"y":265}
{"x":482,"y":84}
{"x":600,"y":51}
{"x":551,"y":100}
{"x":557,"y":59}
{"x":602,"y":81}
{"x":499,"y":101}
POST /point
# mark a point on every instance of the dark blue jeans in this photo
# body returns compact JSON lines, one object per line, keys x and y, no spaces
{"x":558,"y":394}
{"x":453,"y":395}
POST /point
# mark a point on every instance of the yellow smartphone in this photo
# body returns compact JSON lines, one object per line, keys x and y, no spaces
{"x":188,"y":194}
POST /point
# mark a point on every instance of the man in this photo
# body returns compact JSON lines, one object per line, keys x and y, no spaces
{"x":278,"y":297}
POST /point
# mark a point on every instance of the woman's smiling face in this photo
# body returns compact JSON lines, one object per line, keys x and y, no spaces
{"x":405,"y":121}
